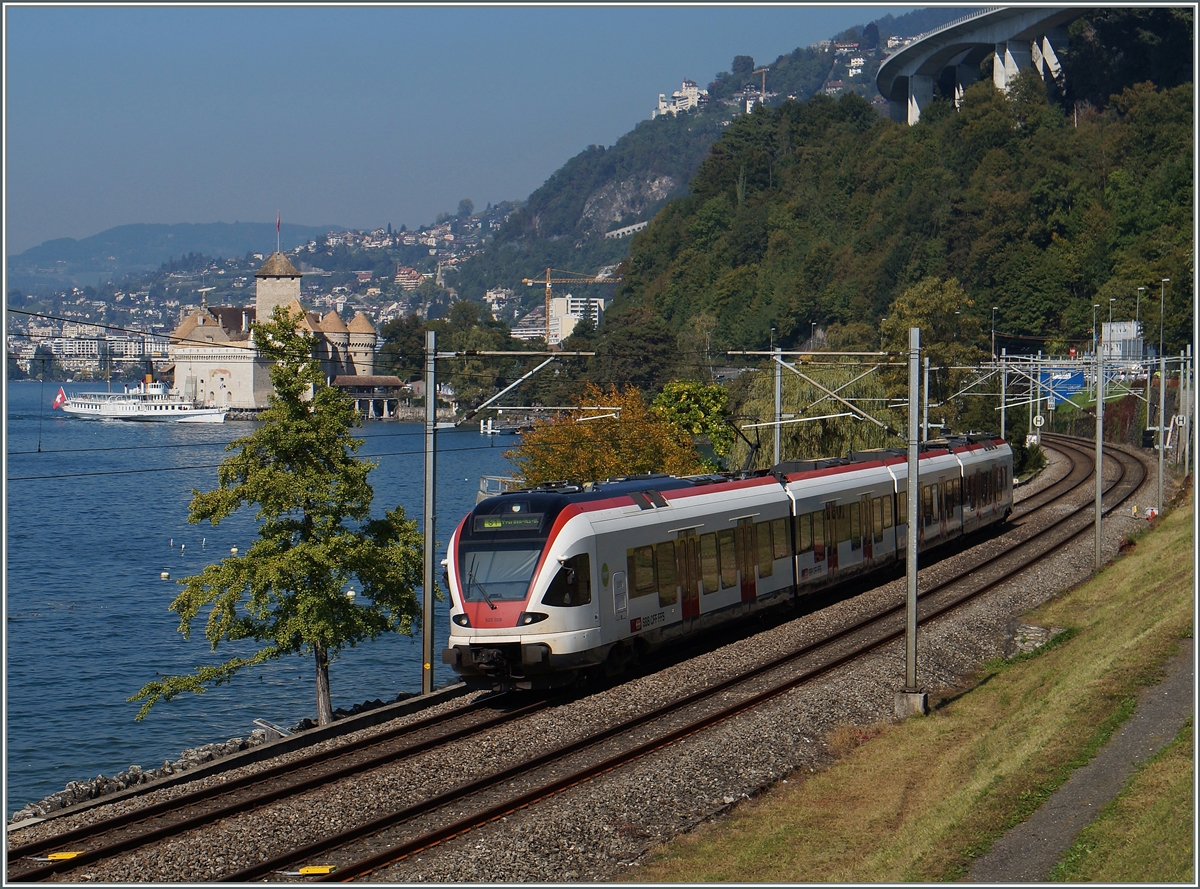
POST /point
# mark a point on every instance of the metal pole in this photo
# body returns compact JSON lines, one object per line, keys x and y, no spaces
{"x":1180,"y":405}
{"x":1137,"y":324}
{"x":1187,"y":412}
{"x":1162,"y":390}
{"x":1032,"y":382}
{"x":778,"y":400}
{"x":430,"y":511}
{"x":913,"y":504}
{"x":1038,"y":434}
{"x":925,"y":398}
{"x":1003,"y":391}
{"x":1162,"y":428}
{"x":1099,"y":456}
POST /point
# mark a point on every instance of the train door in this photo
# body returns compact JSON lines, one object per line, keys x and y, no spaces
{"x":867,"y":528}
{"x":831,"y":538}
{"x":688,"y":554}
{"x":746,"y":559}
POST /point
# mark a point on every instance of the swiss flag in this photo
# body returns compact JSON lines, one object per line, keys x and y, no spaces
{"x":60,"y":399}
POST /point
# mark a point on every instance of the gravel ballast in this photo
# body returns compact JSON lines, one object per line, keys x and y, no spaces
{"x":598,"y":831}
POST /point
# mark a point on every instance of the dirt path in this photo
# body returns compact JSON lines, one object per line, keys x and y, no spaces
{"x":1028,"y":852}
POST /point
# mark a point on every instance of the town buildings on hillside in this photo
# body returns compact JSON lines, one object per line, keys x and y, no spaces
{"x":687,"y":97}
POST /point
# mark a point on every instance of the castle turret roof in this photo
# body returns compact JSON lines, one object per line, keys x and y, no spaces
{"x":361,"y":324}
{"x":333,"y":323}
{"x":277,"y":266}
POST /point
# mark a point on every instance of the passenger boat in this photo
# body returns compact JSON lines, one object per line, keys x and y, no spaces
{"x":150,"y":401}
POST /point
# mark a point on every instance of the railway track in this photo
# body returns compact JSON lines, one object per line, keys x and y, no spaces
{"x":377,"y":843}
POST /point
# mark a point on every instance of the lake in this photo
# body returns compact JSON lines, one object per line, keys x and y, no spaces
{"x":95,"y":511}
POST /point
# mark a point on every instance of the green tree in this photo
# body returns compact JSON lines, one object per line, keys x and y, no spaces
{"x":951,"y":336}
{"x":823,"y":427}
{"x":697,"y":409}
{"x":403,"y":349}
{"x":315,"y":534}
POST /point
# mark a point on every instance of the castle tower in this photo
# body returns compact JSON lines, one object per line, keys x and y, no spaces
{"x":278,"y":284}
{"x":337,"y":336}
{"x":363,"y":338}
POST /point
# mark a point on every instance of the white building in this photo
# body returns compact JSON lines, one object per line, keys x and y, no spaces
{"x":567,"y":311}
{"x":688,"y":96}
{"x":1121,"y":342}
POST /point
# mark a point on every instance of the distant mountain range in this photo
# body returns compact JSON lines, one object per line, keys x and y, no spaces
{"x":129,"y":249}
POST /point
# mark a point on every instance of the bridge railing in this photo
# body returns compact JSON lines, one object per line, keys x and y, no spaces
{"x":957,"y":21}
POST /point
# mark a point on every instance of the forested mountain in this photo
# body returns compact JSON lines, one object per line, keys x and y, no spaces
{"x":823,"y":212}
{"x":562,"y":225}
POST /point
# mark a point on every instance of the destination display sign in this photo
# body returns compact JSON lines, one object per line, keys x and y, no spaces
{"x":523,"y":522}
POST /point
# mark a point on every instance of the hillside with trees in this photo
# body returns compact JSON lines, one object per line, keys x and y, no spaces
{"x":822,"y":212}
{"x":563,"y":223}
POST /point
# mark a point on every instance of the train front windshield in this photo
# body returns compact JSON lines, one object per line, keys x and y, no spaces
{"x":497,"y":575}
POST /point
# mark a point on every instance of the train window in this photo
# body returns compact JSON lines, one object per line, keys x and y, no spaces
{"x":819,"y":536}
{"x":497,"y":573}
{"x":766,"y":551}
{"x":727,"y":546}
{"x":779,"y":534}
{"x":887,"y":511}
{"x":709,"y":567}
{"x":641,"y":569}
{"x":902,"y":508}
{"x":855,"y":526}
{"x":877,"y":513}
{"x":804,"y":533}
{"x":572,"y":585}
{"x":664,"y":563}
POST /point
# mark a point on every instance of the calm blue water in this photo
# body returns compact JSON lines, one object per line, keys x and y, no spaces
{"x":88,"y":524}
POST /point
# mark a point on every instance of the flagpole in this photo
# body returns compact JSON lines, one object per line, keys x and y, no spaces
{"x":278,"y":217}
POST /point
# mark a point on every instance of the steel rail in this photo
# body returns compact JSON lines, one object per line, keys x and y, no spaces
{"x":474,"y":787}
{"x":240,"y":803}
{"x":443,"y":833}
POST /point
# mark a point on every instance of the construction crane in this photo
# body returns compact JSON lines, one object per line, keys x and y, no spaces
{"x":762,"y":96}
{"x":548,"y":280}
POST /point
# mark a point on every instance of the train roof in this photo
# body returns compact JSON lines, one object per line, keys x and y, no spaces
{"x":552,"y":496}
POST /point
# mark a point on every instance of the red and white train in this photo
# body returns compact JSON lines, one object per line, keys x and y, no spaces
{"x":551,"y":581}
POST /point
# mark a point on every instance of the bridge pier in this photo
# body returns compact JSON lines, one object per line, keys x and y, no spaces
{"x":964,"y":76}
{"x":1010,"y":59}
{"x":1016,"y":37}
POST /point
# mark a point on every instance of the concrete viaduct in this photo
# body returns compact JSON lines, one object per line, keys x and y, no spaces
{"x":1018,"y":37}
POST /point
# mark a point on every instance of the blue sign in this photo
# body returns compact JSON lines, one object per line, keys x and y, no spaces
{"x":1058,"y":385}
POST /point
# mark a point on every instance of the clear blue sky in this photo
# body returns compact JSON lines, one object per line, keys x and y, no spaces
{"x":355,"y":116}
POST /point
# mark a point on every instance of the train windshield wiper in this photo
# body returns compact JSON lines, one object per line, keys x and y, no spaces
{"x":471,"y":581}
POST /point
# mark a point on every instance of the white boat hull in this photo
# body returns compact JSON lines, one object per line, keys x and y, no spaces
{"x":148,"y":403}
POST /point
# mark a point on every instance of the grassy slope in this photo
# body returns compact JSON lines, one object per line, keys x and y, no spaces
{"x":923,"y":798}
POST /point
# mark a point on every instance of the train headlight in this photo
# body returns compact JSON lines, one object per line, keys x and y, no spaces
{"x":461,"y":619}
{"x":530,"y":617}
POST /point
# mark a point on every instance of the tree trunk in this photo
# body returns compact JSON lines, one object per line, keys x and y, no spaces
{"x":324,"y":701}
